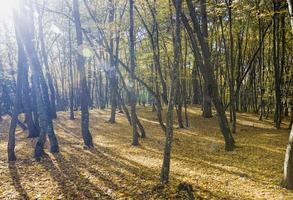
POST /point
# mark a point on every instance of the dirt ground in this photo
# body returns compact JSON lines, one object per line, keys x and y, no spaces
{"x":116,"y":170}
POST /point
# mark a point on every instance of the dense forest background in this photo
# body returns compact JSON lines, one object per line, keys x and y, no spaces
{"x":77,"y":58}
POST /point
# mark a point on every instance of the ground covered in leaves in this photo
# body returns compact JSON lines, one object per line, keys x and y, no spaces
{"x":116,"y":170}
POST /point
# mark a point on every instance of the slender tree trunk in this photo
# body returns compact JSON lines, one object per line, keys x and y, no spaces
{"x":185,"y":81}
{"x":52,"y":100}
{"x":196,"y":92}
{"x":132,"y":75}
{"x":71,"y":95}
{"x":165,"y":171}
{"x":276,"y":65}
{"x":207,"y":72}
{"x":25,"y":28}
{"x":33,"y":127}
{"x":207,"y":96}
{"x":142,"y":131}
{"x":232,"y":80}
{"x":17,"y":101}
{"x":291,"y":118}
{"x":89,"y":83}
{"x":80,"y":60}
{"x":33,"y":98}
{"x":288,"y":163}
{"x":261,"y":66}
{"x":290,"y":7}
{"x":113,"y":82}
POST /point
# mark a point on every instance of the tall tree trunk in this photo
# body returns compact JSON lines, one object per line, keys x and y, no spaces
{"x":25,"y":27}
{"x":290,"y":7}
{"x":33,"y":98}
{"x":141,"y":128}
{"x":185,"y":80}
{"x":80,"y":60}
{"x":113,"y":82}
{"x":33,"y":126}
{"x":17,"y":101}
{"x":207,"y":96}
{"x":288,"y":163}
{"x":261,"y":66}
{"x":52,"y":102}
{"x":165,"y":171}
{"x":196,"y":93}
{"x":232,"y":80}
{"x":132,"y":76}
{"x":71,"y":95}
{"x":276,"y":65}
{"x":89,"y":83}
{"x":206,"y":68}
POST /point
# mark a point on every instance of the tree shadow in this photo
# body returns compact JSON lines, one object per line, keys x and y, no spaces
{"x":127,"y":166}
{"x":118,"y":172}
{"x":72,"y":183}
{"x":16,"y":181}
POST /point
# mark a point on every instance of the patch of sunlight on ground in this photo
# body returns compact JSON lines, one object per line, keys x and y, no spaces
{"x":116,"y":170}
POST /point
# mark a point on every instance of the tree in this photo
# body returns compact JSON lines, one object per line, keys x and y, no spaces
{"x":23,"y":21}
{"x":276,"y":60}
{"x":232,"y":79}
{"x":132,"y":76}
{"x":288,"y":163}
{"x":173,"y":88}
{"x":46,"y":64}
{"x":16,"y":109}
{"x":207,"y":96}
{"x":205,"y":65}
{"x":113,"y":82}
{"x":71,"y":96}
{"x":80,"y":61}
{"x":290,"y":7}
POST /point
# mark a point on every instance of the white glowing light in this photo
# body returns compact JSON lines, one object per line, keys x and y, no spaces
{"x":85,"y":51}
{"x":55,"y":29}
{"x":6,"y":7}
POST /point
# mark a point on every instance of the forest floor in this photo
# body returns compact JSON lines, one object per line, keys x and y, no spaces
{"x":116,"y":170}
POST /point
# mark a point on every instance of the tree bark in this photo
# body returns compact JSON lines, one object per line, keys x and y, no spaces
{"x":132,"y":76}
{"x":207,"y":96}
{"x":165,"y":171}
{"x":232,"y":79}
{"x":71,"y":95}
{"x":17,"y":101}
{"x":276,"y":60}
{"x":25,"y":26}
{"x":113,"y":82}
{"x":33,"y":127}
{"x":290,"y":7}
{"x":196,"y":93}
{"x":203,"y":60}
{"x":52,"y":102}
{"x":80,"y":60}
{"x":288,"y":163}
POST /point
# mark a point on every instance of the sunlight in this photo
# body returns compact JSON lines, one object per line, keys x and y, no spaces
{"x":6,"y":9}
{"x":135,"y":99}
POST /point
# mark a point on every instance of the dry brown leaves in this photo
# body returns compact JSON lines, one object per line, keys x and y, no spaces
{"x":116,"y":170}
